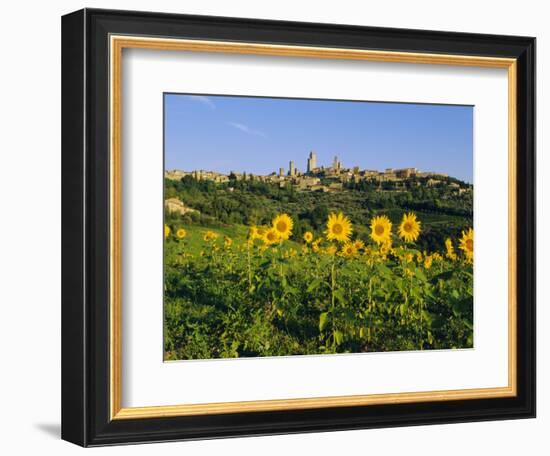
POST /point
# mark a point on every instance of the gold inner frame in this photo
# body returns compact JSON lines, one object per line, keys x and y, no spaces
{"x":117,"y":44}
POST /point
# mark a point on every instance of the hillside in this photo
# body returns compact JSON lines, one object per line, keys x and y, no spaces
{"x":444,"y":209}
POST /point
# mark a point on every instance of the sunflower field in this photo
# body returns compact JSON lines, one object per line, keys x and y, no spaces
{"x":262,"y":291}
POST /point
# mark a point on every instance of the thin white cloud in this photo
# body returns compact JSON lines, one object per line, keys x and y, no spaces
{"x":203,"y":100}
{"x":246,"y":129}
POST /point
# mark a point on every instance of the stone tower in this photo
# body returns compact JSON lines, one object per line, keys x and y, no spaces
{"x":311,"y":162}
{"x":291,"y":168}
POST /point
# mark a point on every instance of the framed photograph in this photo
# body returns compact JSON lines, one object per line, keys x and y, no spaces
{"x":268,"y":227}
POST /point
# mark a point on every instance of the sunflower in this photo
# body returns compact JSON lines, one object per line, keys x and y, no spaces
{"x":210,"y":236}
{"x":409,"y":229}
{"x":467,"y":244}
{"x":380,"y":229}
{"x":338,"y":228}
{"x":386,"y":247}
{"x":271,"y":236}
{"x":348,"y":250}
{"x":166,"y":231}
{"x":283,"y":224}
{"x":428,"y":261}
{"x":181,"y":233}
{"x":331,"y":250}
{"x":291,"y":253}
{"x":315,"y":245}
{"x":227,"y":242}
{"x":253,"y":233}
{"x":358,"y":244}
{"x":308,"y":236}
{"x":450,"y":249}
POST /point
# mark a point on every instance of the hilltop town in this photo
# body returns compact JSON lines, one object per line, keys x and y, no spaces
{"x":323,"y":178}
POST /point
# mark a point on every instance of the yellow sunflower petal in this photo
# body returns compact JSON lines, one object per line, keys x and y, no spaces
{"x":339,"y":228}
{"x":283,"y":224}
{"x":380,"y":229}
{"x":467,"y":244}
{"x":450,"y":249}
{"x":409,"y":228}
{"x":271,"y":236}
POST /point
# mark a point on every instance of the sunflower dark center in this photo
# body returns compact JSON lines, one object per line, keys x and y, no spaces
{"x":281,"y":225}
{"x":379,"y":229}
{"x":470,"y":245}
{"x":407,"y":227}
{"x":337,"y":228}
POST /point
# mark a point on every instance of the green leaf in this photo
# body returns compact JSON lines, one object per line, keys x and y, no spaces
{"x":314,"y":285}
{"x":463,"y":305}
{"x":443,"y":276}
{"x":338,"y":337}
{"x":383,"y":270}
{"x":291,"y":290}
{"x":430,"y":338}
{"x":265,"y":265}
{"x":339,"y":295}
{"x":427,"y":317}
{"x":323,"y":320}
{"x":437,"y":322}
{"x":420,"y":274}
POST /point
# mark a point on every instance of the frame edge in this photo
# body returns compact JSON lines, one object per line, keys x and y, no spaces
{"x":73,"y":303}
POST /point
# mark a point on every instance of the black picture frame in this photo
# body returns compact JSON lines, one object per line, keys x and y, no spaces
{"x":85,"y":228}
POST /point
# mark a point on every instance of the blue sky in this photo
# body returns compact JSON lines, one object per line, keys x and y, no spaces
{"x":259,"y":135}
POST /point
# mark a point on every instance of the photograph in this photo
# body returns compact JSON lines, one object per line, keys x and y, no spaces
{"x":315,"y":227}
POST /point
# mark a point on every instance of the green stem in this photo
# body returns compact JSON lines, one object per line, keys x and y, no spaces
{"x":421,"y":341}
{"x":281,"y":260}
{"x":249,"y":270}
{"x":369,"y":310}
{"x":332,"y":285}
{"x":333,"y":298}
